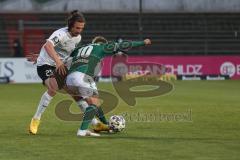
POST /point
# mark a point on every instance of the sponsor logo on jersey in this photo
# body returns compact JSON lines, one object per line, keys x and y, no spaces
{"x":55,"y":40}
{"x":81,"y":60}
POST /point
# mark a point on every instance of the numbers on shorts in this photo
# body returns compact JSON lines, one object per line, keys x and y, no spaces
{"x":49,"y":73}
{"x":85,"y":52}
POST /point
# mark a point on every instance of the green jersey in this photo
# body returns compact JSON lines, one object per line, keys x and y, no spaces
{"x":86,"y":59}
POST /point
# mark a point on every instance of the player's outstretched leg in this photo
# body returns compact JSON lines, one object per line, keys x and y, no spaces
{"x":35,"y":122}
{"x":83,"y":105}
{"x":45,"y":100}
{"x":97,"y":125}
{"x":87,"y":118}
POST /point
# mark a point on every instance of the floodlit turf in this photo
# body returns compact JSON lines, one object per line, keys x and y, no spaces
{"x":198,"y":120}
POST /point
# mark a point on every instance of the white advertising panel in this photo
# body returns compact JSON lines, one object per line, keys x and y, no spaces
{"x":19,"y":70}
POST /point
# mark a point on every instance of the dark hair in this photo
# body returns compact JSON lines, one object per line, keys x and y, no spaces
{"x":75,"y":16}
{"x":99,"y":39}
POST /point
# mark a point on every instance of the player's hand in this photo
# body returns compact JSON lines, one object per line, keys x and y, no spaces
{"x":147,"y":41}
{"x":61,"y":69}
{"x":32,"y":57}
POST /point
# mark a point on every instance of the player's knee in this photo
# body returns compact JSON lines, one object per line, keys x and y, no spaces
{"x":93,"y":100}
{"x":52,"y":86}
{"x":51,"y":92}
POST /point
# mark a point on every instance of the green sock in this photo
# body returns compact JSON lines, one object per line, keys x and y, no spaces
{"x":88,"y":116}
{"x":101,"y":116}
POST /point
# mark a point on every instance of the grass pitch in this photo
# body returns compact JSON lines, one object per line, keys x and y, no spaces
{"x":198,"y":120}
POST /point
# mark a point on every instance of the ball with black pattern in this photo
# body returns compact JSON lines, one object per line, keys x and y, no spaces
{"x":117,"y":123}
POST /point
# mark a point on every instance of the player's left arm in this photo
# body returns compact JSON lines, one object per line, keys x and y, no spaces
{"x":112,"y":48}
{"x":135,"y":43}
{"x":127,"y":45}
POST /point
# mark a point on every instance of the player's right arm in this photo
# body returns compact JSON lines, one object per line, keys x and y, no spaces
{"x":53,"y":40}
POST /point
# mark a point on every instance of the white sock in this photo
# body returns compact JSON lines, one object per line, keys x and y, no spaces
{"x":44,"y":102}
{"x":95,"y":121}
{"x":83,"y":105}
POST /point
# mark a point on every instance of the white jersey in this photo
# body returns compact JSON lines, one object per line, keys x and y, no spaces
{"x":63,"y":44}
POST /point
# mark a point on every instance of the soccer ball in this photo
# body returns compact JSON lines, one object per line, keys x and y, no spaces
{"x":117,"y":123}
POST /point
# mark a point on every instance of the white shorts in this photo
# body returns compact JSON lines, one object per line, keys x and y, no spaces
{"x":81,"y":84}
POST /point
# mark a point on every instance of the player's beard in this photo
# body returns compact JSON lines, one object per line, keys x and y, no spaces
{"x":75,"y":34}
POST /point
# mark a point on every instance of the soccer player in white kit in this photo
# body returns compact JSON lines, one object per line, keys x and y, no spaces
{"x":52,"y":58}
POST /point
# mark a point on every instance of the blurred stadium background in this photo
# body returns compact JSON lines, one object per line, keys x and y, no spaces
{"x":176,"y":27}
{"x":193,"y":39}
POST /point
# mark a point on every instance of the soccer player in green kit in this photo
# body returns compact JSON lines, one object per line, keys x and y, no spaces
{"x":80,"y":79}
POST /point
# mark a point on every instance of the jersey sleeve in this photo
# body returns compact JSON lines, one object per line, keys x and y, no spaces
{"x":56,"y":37}
{"x":110,"y":48}
{"x":113,"y":47}
{"x":126,"y":45}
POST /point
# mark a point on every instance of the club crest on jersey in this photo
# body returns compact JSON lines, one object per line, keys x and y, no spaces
{"x":125,"y":45}
{"x":110,"y":47}
{"x":55,"y":40}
